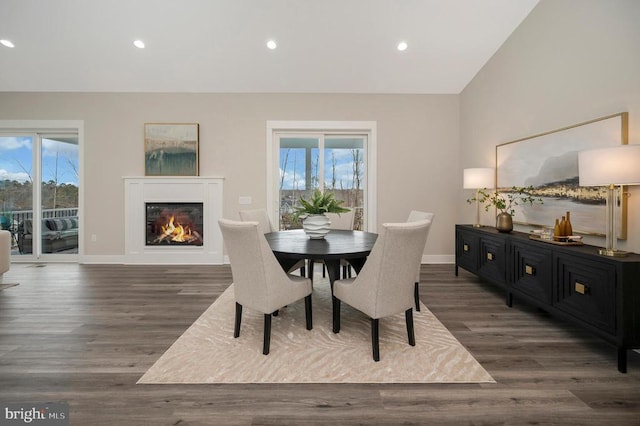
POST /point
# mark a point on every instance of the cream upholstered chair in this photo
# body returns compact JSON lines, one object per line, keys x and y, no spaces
{"x":265,"y":226}
{"x":384,"y":286}
{"x":260,"y":216}
{"x":341,"y":220}
{"x":258,"y":279}
{"x":414,"y":216}
{"x":5,"y":251}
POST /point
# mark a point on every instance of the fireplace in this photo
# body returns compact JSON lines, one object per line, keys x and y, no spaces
{"x":171,"y":223}
{"x":195,"y":203}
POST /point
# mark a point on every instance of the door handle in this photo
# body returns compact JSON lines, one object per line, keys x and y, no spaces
{"x":581,"y":288}
{"x":529,"y":270}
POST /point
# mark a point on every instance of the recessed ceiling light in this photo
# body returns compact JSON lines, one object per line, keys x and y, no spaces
{"x":139,"y":44}
{"x":271,"y":44}
{"x":7,"y":43}
{"x":402,"y":46}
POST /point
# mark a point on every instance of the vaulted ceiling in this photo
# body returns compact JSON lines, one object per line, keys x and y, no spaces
{"x":323,"y":46}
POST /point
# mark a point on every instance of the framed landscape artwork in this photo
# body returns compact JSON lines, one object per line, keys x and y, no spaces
{"x":171,"y":149}
{"x":549,"y":162}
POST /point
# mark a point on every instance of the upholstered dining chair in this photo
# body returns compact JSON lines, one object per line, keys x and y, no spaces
{"x":259,"y":282}
{"x":5,"y":251}
{"x":414,"y":216}
{"x":265,"y":226}
{"x":342,"y":220}
{"x":384,"y":286}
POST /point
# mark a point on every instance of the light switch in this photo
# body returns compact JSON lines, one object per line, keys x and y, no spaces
{"x":244,"y":200}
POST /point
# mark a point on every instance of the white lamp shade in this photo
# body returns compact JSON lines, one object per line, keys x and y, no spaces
{"x":479,"y":177}
{"x":618,"y":165}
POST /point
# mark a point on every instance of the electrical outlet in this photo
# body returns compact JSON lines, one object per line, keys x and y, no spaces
{"x":244,"y":200}
{"x":94,"y":238}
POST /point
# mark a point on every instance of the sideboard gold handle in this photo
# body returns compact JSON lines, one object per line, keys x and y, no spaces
{"x":529,"y":270}
{"x":489,"y":255}
{"x":465,"y":247}
{"x":581,"y":288}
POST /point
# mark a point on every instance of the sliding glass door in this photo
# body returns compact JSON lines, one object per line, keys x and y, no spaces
{"x":51,"y":159}
{"x":323,"y":161}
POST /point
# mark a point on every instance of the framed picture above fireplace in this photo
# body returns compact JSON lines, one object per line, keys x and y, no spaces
{"x":171,"y":149}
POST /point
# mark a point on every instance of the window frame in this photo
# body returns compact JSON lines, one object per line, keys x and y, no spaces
{"x":275,"y":129}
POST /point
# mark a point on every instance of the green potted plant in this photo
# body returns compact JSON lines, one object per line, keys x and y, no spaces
{"x":505,"y":203}
{"x":312,"y":212}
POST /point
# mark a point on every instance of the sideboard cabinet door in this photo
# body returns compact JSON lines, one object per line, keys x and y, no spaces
{"x":466,"y":250}
{"x":493,"y":258}
{"x":532,"y":271}
{"x":587,"y":290}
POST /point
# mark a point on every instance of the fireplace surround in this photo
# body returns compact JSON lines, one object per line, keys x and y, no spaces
{"x":197,"y":205}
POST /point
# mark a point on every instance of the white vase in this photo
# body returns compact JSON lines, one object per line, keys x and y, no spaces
{"x":316,"y":226}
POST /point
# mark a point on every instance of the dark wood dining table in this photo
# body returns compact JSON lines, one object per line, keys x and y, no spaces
{"x":353,"y":246}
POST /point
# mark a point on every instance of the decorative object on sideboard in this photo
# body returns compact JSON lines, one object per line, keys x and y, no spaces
{"x":563,"y":227}
{"x":478,"y":178}
{"x":505,"y":202}
{"x":611,"y":167}
{"x":312,"y":212}
{"x":549,"y":162}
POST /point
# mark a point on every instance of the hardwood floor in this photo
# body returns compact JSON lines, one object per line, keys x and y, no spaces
{"x":84,"y":334}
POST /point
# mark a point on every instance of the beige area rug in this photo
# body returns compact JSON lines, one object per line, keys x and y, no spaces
{"x":3,"y":286}
{"x":208,"y":353}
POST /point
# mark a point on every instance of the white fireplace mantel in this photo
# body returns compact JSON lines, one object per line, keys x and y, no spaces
{"x":140,"y":190}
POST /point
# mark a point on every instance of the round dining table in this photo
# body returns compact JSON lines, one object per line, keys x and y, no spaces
{"x":353,"y":246}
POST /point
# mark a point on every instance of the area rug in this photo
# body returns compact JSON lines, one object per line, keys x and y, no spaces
{"x":3,"y":286}
{"x":208,"y":353}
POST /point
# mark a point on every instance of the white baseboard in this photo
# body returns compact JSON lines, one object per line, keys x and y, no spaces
{"x":102,"y":260}
{"x":438,"y":259}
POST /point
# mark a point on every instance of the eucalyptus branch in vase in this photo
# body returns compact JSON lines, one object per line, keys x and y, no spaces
{"x":505,"y":202}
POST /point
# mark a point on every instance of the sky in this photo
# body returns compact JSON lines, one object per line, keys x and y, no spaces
{"x":16,"y":160}
{"x":344,"y":167}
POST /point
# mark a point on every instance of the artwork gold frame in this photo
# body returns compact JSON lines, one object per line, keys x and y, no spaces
{"x":171,"y":149}
{"x":549,"y":162}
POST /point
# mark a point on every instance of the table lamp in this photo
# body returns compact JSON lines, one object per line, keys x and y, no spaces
{"x":610,"y":167}
{"x":478,"y":178}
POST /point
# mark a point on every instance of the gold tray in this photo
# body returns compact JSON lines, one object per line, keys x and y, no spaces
{"x":558,"y":243}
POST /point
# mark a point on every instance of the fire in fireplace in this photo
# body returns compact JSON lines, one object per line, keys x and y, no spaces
{"x":174,"y":224}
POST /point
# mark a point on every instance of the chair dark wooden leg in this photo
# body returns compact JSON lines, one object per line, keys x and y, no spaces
{"x":310,"y":269}
{"x":408,"y":314}
{"x":336,"y":314}
{"x":303,"y":271}
{"x":416,"y":296}
{"x":375,"y":339}
{"x":267,"y":334}
{"x":308,"y":312}
{"x":236,"y":328}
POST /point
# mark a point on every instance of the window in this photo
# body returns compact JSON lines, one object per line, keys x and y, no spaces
{"x":329,"y":156}
{"x":43,"y":217}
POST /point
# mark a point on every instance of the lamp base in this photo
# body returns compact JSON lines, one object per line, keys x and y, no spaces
{"x":612,"y":253}
{"x":477,"y":225}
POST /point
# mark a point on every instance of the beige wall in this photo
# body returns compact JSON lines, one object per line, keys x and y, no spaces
{"x":417,"y":149}
{"x":570,"y":61}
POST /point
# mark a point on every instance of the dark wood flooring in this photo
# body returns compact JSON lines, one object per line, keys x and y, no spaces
{"x":84,"y":334}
